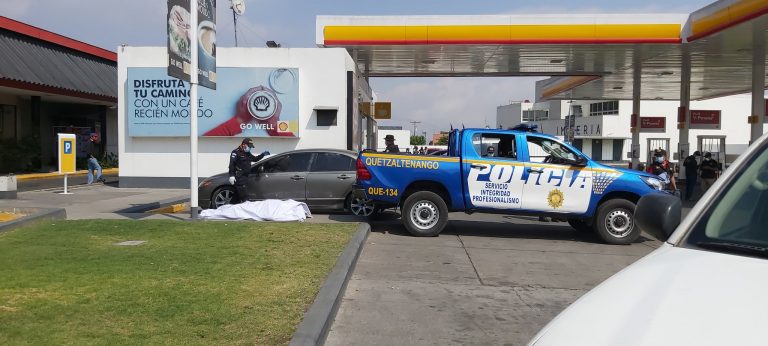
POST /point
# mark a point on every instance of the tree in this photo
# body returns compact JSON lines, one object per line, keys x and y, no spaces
{"x":418,"y":140}
{"x":443,"y":140}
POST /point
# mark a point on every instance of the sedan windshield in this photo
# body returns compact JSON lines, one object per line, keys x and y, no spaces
{"x":737,"y":222}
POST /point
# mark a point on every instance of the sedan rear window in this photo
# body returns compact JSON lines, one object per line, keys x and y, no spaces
{"x":332,"y":162}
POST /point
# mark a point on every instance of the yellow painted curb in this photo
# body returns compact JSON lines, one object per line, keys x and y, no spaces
{"x":23,"y":177}
{"x":171,"y":209}
{"x":9,"y":216}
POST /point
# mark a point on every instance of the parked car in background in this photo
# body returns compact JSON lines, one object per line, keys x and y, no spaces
{"x":322,"y":178}
{"x":706,"y":285}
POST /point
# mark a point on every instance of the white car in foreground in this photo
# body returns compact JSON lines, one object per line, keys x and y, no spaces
{"x":706,"y":285}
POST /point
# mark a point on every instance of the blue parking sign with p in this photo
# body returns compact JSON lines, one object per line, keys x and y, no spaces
{"x":67,"y":147}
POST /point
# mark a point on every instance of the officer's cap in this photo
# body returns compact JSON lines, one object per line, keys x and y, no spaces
{"x":248,"y":141}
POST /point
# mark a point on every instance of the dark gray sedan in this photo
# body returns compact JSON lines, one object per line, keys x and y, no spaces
{"x":322,"y":178}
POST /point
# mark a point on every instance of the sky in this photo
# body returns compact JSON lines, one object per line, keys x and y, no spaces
{"x":436,"y":102}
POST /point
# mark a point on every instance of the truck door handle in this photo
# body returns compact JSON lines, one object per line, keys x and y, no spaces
{"x":478,"y":166}
{"x":297,"y":177}
{"x":535,"y":170}
{"x":343,"y":177}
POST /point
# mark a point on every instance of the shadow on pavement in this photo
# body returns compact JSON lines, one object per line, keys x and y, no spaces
{"x":501,"y":227}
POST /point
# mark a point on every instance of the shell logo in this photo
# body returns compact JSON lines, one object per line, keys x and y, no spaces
{"x":282,"y":126}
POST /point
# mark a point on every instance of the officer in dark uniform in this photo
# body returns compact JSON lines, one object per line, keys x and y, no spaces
{"x":389,"y":140}
{"x":239,"y":166}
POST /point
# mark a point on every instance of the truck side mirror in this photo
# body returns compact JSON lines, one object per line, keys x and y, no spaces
{"x":658,"y":214}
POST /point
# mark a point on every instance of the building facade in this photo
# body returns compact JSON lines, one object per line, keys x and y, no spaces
{"x":52,"y":84}
{"x":601,"y":129}
{"x":282,"y":98}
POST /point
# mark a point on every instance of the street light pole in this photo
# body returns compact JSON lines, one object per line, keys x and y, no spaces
{"x":414,"y":126}
{"x":193,"y":114}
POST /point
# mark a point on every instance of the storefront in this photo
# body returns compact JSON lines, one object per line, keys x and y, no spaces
{"x":282,"y":98}
{"x":600,"y":128}
{"x":51,"y":84}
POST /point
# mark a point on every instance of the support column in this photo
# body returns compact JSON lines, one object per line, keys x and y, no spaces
{"x":635,"y":127}
{"x":684,"y":111}
{"x":758,"y":85}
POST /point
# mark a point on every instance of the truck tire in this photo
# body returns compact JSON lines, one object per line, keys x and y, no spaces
{"x":614,"y":222}
{"x":581,"y":225}
{"x":425,"y":214}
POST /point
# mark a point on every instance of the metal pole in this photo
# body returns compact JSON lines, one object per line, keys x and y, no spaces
{"x":193,"y":207}
{"x":65,"y":184}
{"x":636,"y":84}
{"x":758,"y":85}
{"x":683,"y":144}
{"x":234,"y":16}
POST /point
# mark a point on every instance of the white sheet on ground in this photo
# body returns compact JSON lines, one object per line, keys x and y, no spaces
{"x":268,"y":210}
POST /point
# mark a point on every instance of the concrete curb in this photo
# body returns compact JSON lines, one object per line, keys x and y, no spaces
{"x":38,"y":214}
{"x":141,"y":208}
{"x":318,"y":319}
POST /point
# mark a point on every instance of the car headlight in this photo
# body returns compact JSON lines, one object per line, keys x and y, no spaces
{"x":653,"y":183}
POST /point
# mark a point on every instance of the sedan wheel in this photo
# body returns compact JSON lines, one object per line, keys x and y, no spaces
{"x":361,"y":206}
{"x":224,"y":196}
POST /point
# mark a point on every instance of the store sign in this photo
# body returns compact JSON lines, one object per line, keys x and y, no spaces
{"x":580,"y":126}
{"x":250,"y":102}
{"x":709,"y":120}
{"x":382,"y":110}
{"x":180,"y":44}
{"x":653,"y":124}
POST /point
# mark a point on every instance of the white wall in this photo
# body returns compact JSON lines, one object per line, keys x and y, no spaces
{"x":322,"y":82}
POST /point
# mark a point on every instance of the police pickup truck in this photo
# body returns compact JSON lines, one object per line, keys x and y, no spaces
{"x":507,"y":172}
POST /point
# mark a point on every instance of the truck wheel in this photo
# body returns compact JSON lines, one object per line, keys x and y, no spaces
{"x":615,"y":222}
{"x":581,"y":225}
{"x":425,"y":214}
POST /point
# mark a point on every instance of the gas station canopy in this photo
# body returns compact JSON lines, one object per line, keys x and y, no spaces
{"x":592,"y":56}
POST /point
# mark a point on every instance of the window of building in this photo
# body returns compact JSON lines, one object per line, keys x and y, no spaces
{"x":535,"y":115}
{"x":8,"y":122}
{"x":576,"y":111}
{"x":604,"y":108}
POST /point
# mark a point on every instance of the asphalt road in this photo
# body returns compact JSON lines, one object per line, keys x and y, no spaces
{"x":58,"y":182}
{"x":487,"y":279}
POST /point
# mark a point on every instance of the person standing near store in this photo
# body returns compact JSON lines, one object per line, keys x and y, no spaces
{"x":709,"y":168}
{"x":240,"y":165}
{"x":389,"y":140}
{"x":93,"y":150}
{"x":691,"y":165}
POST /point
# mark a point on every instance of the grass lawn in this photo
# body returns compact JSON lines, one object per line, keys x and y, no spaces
{"x":190,"y":283}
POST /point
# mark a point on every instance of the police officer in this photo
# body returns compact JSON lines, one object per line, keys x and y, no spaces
{"x":239,"y":166}
{"x":389,"y":140}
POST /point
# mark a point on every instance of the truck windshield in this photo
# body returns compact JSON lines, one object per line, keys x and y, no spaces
{"x":541,"y":149}
{"x":737,"y":222}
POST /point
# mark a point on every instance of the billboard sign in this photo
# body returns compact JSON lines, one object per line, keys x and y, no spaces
{"x":180,"y":44}
{"x":709,"y":120}
{"x":653,"y":124}
{"x":251,"y":102}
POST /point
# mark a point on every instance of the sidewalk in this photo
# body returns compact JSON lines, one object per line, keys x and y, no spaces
{"x":101,"y":201}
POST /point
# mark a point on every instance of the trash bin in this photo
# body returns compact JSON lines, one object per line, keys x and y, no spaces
{"x":8,"y":187}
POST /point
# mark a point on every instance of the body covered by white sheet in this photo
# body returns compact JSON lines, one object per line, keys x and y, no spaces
{"x":268,"y":210}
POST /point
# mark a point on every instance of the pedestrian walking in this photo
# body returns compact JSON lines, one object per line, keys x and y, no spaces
{"x":240,"y":165}
{"x":691,"y":165}
{"x":708,"y":168}
{"x":93,"y":150}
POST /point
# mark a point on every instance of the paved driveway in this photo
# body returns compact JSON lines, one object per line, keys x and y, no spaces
{"x":487,"y":279}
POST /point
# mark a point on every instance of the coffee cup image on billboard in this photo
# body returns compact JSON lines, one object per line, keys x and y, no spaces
{"x":178,"y":31}
{"x":282,"y":80}
{"x":257,"y":109}
{"x":206,"y":34}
